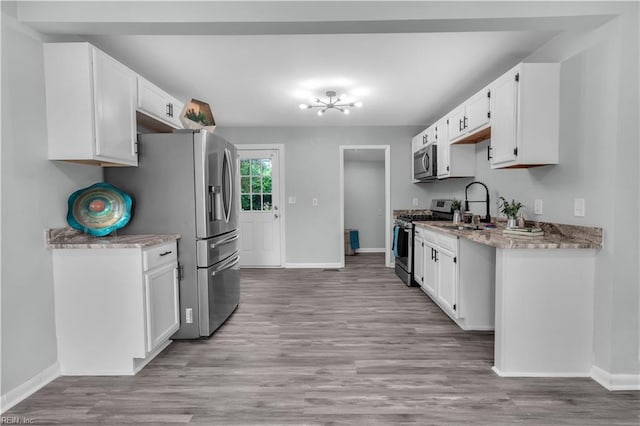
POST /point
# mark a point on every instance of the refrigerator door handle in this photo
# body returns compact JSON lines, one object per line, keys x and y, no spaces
{"x":229,"y":184}
{"x":227,"y":265}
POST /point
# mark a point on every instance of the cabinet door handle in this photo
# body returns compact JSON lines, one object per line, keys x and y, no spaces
{"x":465,"y":122}
{"x":165,"y":253}
{"x":460,"y":125}
{"x":435,"y":255}
{"x":168,"y":113}
{"x":489,"y":156}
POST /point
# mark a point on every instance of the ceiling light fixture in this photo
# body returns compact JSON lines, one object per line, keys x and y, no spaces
{"x":333,"y":102}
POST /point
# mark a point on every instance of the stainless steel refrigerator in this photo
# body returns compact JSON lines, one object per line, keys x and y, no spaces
{"x":186,"y":183}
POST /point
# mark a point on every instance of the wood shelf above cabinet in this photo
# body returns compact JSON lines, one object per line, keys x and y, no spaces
{"x":479,"y":136}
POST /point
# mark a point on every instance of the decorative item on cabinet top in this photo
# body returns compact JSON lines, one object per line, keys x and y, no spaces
{"x":197,"y":115}
{"x":99,"y":209}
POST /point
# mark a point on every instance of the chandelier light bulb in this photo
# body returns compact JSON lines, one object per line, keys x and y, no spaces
{"x":320,"y":112}
{"x":358,"y":104}
{"x":304,"y":106}
{"x":345,"y":111}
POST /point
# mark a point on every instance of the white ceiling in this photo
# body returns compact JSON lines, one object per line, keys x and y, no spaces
{"x":402,"y":79}
{"x":256,"y":73}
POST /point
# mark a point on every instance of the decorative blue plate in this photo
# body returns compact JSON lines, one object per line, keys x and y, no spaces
{"x":99,"y":209}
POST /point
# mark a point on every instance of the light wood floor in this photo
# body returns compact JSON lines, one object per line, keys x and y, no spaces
{"x":352,"y":346}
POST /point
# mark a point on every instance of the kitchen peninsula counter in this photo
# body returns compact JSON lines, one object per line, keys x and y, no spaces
{"x":556,"y":236}
{"x":543,"y":298}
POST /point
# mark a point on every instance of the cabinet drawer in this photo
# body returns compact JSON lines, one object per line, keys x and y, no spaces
{"x":429,"y":236}
{"x":448,"y":242}
{"x":159,"y":255}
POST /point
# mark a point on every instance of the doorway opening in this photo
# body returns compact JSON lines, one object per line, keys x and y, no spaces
{"x":365,"y":201}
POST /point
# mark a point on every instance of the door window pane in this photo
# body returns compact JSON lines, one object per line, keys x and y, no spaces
{"x":244,"y":167}
{"x":244,"y":185}
{"x":256,"y":167}
{"x":256,"y":202}
{"x":256,"y":185}
{"x":266,"y":184}
{"x":267,"y":202}
{"x":245,"y":201}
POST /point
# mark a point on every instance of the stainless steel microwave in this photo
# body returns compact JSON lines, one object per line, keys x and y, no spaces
{"x":425,"y":164}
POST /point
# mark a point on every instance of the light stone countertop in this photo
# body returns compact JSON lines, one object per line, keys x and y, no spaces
{"x":69,"y":238}
{"x":556,"y":236}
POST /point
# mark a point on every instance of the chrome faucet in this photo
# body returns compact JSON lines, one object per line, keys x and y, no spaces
{"x":487,"y":218}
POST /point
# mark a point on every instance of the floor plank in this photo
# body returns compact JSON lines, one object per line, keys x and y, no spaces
{"x":352,"y":346}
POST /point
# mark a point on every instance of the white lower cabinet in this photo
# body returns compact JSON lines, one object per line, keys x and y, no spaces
{"x":430,"y":267}
{"x":447,"y":290}
{"x":161,"y":297}
{"x":115,"y":308}
{"x":459,"y":276}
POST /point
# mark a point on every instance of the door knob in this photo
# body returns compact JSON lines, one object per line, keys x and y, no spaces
{"x":276,"y":215}
{"x":275,"y":207}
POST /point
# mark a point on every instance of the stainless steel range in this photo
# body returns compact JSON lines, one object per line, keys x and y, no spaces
{"x":403,"y":237}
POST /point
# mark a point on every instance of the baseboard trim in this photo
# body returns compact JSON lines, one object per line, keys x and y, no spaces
{"x":370,"y":250}
{"x":530,"y":374}
{"x":28,"y":388}
{"x":615,"y":382}
{"x":312,"y":265}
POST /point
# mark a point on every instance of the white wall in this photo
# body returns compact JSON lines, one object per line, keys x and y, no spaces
{"x":364,"y":200}
{"x":34,"y":194}
{"x":598,"y":162}
{"x":312,"y":171}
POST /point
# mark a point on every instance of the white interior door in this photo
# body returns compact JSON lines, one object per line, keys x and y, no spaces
{"x":260,"y":208}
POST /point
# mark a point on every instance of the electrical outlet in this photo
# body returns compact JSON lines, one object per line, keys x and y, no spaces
{"x":188,"y":313}
{"x":416,"y":202}
{"x":579,"y":207}
{"x":314,"y":202}
{"x":292,"y":199}
{"x":537,"y":206}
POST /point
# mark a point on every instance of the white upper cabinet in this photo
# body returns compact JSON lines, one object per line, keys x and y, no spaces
{"x":429,"y":136}
{"x":468,"y":120}
{"x":91,"y":102}
{"x":424,"y":138}
{"x":478,"y":111}
{"x":456,"y":121}
{"x":158,"y":104}
{"x":525,"y":117}
{"x":453,"y":160}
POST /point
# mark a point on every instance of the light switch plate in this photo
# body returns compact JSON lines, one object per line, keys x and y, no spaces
{"x":292,"y":199}
{"x":416,"y":202}
{"x":537,"y":207}
{"x":314,"y":201}
{"x":579,"y":207}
